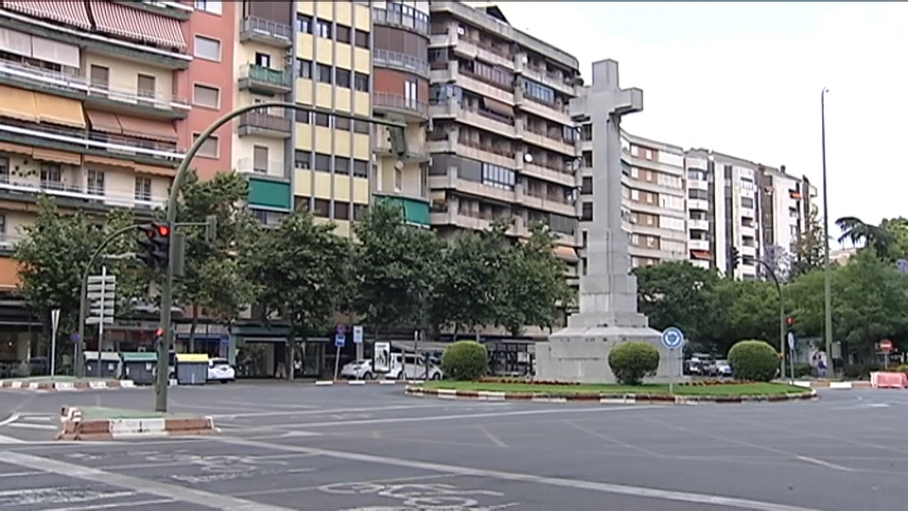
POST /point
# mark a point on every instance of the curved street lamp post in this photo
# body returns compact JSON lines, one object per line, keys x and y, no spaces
{"x":163,"y":376}
{"x":775,"y":279}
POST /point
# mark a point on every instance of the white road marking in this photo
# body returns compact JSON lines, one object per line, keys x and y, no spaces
{"x":115,"y":505}
{"x":823,"y":463}
{"x":328,"y":411}
{"x":492,"y":438}
{"x":28,"y":425}
{"x":613,"y":440}
{"x":9,"y":420}
{"x":164,"y":490}
{"x":620,"y":489}
{"x":10,"y":440}
{"x":19,"y":474}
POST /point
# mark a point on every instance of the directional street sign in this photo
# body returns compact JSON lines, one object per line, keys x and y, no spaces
{"x":357,"y":334}
{"x":102,"y":290}
{"x":340,"y":340}
{"x":672,"y":338}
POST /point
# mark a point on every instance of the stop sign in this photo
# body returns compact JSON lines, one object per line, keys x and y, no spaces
{"x":886,"y":346}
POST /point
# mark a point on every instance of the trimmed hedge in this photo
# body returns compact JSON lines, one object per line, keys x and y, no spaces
{"x":465,"y":361}
{"x":633,"y":361}
{"x":753,"y":360}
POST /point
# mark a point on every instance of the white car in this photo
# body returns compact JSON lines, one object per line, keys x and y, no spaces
{"x":220,"y":370}
{"x":410,"y":367}
{"x":358,"y":370}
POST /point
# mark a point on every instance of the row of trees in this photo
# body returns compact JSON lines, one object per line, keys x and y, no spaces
{"x":395,"y":276}
{"x":869,"y":294}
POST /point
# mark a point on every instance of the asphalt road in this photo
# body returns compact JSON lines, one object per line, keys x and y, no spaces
{"x":295,"y":447}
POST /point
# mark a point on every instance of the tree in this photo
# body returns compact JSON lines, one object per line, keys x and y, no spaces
{"x":214,"y":283}
{"x":303,"y":270}
{"x":678,"y":294}
{"x":746,"y":309}
{"x":809,"y":248}
{"x":396,"y":268}
{"x":877,"y":238}
{"x":533,"y":283}
{"x":779,"y":260}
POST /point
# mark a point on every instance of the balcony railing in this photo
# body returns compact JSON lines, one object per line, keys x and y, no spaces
{"x":250,"y":166}
{"x":386,"y":17}
{"x":259,"y":28}
{"x":95,"y":194}
{"x":398,"y":102}
{"x":400,"y":60}
{"x":265,"y":121}
{"x":74,"y":82}
{"x":261,"y":74}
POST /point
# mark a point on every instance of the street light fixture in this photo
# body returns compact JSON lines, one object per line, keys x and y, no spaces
{"x":827,"y":291}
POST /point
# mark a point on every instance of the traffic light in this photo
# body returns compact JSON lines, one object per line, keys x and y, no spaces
{"x":791,"y":321}
{"x":155,"y":245}
{"x":398,"y":140}
{"x":735,"y":257}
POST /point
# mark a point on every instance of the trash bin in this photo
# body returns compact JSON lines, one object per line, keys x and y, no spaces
{"x":110,"y":364}
{"x":192,"y":369}
{"x":139,"y":367}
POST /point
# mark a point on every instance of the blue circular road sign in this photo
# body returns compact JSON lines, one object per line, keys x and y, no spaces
{"x":672,"y":338}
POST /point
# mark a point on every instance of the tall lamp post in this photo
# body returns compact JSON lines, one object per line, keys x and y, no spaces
{"x":827,"y":292}
{"x":775,"y":279}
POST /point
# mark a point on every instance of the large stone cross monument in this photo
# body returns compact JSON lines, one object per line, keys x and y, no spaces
{"x":608,"y":293}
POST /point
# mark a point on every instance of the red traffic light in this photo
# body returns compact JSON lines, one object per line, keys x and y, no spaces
{"x":163,"y":230}
{"x":791,"y":321}
{"x":159,"y":332}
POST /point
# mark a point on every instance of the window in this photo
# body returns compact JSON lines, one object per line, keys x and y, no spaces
{"x":304,"y":23}
{"x":100,"y":77}
{"x":322,"y":120}
{"x":341,"y":210}
{"x":635,"y":195}
{"x":341,"y":165}
{"x":410,"y":93}
{"x":323,"y":73}
{"x":586,"y":186}
{"x":145,"y":87}
{"x":747,"y":202}
{"x":322,"y":208}
{"x":361,"y":39}
{"x":304,"y":69}
{"x":202,"y":95}
{"x":538,"y":91}
{"x":359,"y":210}
{"x":342,"y":77}
{"x":50,"y":175}
{"x":4,"y":170}
{"x":260,"y":159}
{"x":212,"y":6}
{"x":361,"y":127}
{"x":209,"y":149}
{"x":143,"y":188}
{"x":342,"y":33}
{"x":301,"y":159}
{"x":398,"y":179}
{"x":498,"y":177}
{"x":587,"y":212}
{"x":342,"y":123}
{"x":323,"y":29}
{"x":262,"y":59}
{"x":95,"y":182}
{"x":207,"y":48}
{"x":322,"y":162}
{"x":302,"y":116}
{"x":361,"y":82}
{"x":360,"y":169}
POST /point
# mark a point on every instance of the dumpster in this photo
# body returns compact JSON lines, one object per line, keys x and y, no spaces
{"x":139,"y":367}
{"x":192,"y":368}
{"x":110,"y":364}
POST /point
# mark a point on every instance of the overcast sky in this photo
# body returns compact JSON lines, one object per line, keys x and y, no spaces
{"x":745,"y":79}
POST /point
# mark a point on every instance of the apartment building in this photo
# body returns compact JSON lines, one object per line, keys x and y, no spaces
{"x":501,"y":139}
{"x":400,"y":70}
{"x":785,"y":209}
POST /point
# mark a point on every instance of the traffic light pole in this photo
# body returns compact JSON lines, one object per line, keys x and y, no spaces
{"x":80,"y":345}
{"x":163,"y":376}
{"x":781,"y":317}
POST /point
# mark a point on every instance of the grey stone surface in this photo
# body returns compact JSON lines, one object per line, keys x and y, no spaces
{"x":608,"y":293}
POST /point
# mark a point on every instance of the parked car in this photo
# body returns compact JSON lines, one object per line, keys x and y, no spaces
{"x":358,"y":370}
{"x":723,"y":368}
{"x":411,"y":367}
{"x":220,"y":370}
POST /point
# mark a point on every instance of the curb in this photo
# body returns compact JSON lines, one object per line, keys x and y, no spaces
{"x":67,"y":385}
{"x":74,"y":428}
{"x":841,"y":385}
{"x":357,"y":383}
{"x":610,"y":399}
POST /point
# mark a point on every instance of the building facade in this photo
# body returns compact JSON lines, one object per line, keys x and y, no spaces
{"x":501,"y":139}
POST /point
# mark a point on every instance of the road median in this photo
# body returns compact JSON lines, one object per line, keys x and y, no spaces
{"x":91,"y":423}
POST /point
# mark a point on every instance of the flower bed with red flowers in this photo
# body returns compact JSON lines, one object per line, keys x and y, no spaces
{"x":713,"y":383}
{"x":495,"y":379}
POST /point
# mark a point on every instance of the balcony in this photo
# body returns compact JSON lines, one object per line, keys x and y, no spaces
{"x":485,"y":153}
{"x":544,"y":141}
{"x":477,"y":221}
{"x":698,"y":245}
{"x":265,"y":80}
{"x":548,"y":205}
{"x":400,"y":61}
{"x":698,"y":225}
{"x":697,"y":205}
{"x":131,"y":101}
{"x":543,"y":77}
{"x":398,"y":19}
{"x":266,"y":32}
{"x":273,"y":168}
{"x":552,"y":112}
{"x":488,"y":121}
{"x":477,"y":189}
{"x":397,"y":104}
{"x":416,"y":151}
{"x":552,"y":175}
{"x":74,"y":194}
{"x":264,"y":125}
{"x":472,"y":48}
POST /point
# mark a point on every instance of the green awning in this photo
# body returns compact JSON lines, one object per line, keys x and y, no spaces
{"x":269,"y":194}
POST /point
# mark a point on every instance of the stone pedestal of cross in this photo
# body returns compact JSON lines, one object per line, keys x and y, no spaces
{"x":608,"y":293}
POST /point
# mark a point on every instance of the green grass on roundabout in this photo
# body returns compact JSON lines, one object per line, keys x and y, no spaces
{"x":712,"y":389}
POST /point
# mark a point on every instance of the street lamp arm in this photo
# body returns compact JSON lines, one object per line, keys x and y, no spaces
{"x":775,"y":279}
{"x":83,"y":291}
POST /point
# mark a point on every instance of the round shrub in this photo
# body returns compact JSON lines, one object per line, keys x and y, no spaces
{"x":464,"y":361}
{"x":633,"y":361}
{"x":753,"y":360}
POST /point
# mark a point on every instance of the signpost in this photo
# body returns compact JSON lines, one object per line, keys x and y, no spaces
{"x":673,"y":339}
{"x":886,"y":348}
{"x":54,"y":325}
{"x":101,"y":296}
{"x":792,"y":344}
{"x":381,"y":361}
{"x":340,"y":339}
{"x":358,"y":341}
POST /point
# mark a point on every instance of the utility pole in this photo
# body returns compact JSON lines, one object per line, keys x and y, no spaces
{"x":827,"y":272}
